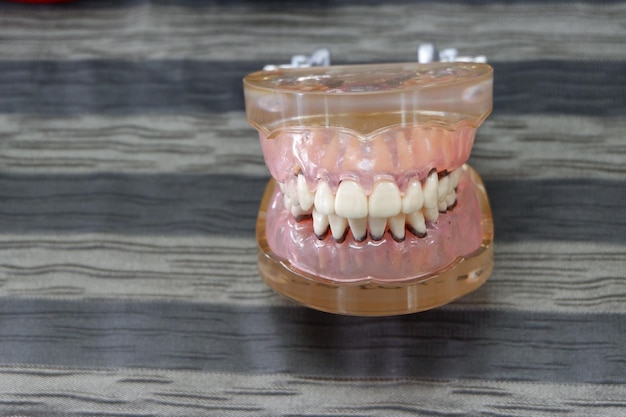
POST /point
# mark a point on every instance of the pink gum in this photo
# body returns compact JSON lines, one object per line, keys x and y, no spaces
{"x":400,"y":153}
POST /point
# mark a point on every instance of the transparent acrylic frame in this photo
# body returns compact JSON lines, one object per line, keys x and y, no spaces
{"x":376,"y":297}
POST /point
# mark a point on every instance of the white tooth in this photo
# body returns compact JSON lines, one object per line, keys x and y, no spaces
{"x":396,"y":225}
{"x":282,"y":187}
{"x":431,"y":214}
{"x":377,"y":227}
{"x":430,"y":190}
{"x":358,"y":228}
{"x":350,"y":201}
{"x":385,"y":200}
{"x":298,"y":211}
{"x":442,"y":188}
{"x":320,"y":223}
{"x":442,"y":206}
{"x":455,"y":177}
{"x":305,"y":197}
{"x":451,"y":198}
{"x":413,"y":198}
{"x":338,"y":226}
{"x":324,"y":199}
{"x":417,"y":223}
{"x":287,"y":202}
{"x":451,"y":185}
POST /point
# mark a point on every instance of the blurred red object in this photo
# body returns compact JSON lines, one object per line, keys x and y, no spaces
{"x":41,"y":1}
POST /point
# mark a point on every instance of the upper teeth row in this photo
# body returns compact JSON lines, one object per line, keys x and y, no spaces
{"x":385,"y":205}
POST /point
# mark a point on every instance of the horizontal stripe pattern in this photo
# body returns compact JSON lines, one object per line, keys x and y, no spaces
{"x":537,"y":147}
{"x":130,"y":182}
{"x":566,"y":209}
{"x":529,"y":276}
{"x":503,"y":31}
{"x":189,"y":393}
{"x":574,"y":348}
{"x":117,"y":87}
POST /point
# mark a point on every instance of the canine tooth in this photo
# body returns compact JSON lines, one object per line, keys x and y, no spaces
{"x":320,"y":223}
{"x":451,"y":198}
{"x":305,"y":197}
{"x":442,"y":206}
{"x":377,"y":227}
{"x":416,"y":222}
{"x":358,"y":228}
{"x":396,"y":226}
{"x":385,"y":200}
{"x":324,"y":199}
{"x":413,"y":198}
{"x":338,"y":226}
{"x":350,"y":201}
{"x":430,"y":190}
{"x":431,"y":214}
{"x":442,"y":188}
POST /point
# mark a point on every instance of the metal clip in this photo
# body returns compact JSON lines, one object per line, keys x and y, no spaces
{"x":319,"y":58}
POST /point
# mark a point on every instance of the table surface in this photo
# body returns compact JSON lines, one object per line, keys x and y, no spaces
{"x":130,"y":182}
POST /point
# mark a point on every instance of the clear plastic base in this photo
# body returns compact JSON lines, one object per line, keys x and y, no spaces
{"x":373,"y":297}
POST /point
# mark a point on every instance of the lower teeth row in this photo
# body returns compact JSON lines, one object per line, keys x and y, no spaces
{"x":385,"y":208}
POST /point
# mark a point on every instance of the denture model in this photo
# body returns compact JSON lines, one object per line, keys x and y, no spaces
{"x":371,"y":209}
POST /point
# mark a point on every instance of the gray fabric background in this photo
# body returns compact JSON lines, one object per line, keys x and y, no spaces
{"x":130,"y":182}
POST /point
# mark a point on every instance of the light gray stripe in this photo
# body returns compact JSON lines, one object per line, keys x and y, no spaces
{"x":160,"y":392}
{"x":534,"y":276}
{"x":506,"y":146}
{"x":588,"y":210}
{"x":502,"y":31}
{"x":442,"y":343}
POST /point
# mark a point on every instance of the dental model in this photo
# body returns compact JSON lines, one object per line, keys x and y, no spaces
{"x":371,"y":209}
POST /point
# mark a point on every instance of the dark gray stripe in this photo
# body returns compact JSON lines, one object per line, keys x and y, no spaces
{"x":183,"y":87}
{"x":176,"y":204}
{"x":572,"y":348}
{"x":269,"y":4}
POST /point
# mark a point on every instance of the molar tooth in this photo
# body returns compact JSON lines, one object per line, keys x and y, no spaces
{"x":385,"y":200}
{"x":397,"y":228}
{"x":298,"y":212}
{"x":324,"y":199}
{"x":442,"y":188}
{"x":451,"y":199}
{"x":430,"y":190}
{"x":305,"y":197}
{"x":358,"y":228}
{"x":416,"y":222}
{"x":413,"y":198}
{"x":377,"y":227}
{"x":442,"y":206}
{"x":350,"y":201}
{"x":338,"y":226}
{"x":431,"y":214}
{"x":320,"y":224}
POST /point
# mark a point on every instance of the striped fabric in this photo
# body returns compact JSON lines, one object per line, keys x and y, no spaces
{"x":130,"y":182}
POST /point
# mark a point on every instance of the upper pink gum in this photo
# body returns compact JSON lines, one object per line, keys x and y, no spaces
{"x":368,"y":122}
{"x":398,"y":153}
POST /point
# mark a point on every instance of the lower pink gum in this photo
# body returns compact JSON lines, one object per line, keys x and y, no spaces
{"x":457,"y":233}
{"x":333,"y":155}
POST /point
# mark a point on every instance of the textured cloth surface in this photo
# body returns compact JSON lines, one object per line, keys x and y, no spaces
{"x":130,"y":182}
